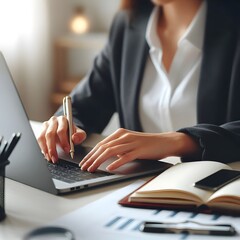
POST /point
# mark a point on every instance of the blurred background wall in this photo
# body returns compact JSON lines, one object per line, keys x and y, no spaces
{"x":30,"y":33}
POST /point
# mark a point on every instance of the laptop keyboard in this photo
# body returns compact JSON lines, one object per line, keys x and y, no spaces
{"x":70,"y":172}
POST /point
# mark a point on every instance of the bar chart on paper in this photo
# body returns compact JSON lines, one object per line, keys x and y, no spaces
{"x":112,"y":221}
{"x":123,"y":224}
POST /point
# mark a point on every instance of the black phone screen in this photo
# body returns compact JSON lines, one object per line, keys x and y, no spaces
{"x":218,"y":179}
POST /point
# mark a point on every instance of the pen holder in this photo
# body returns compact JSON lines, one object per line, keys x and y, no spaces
{"x":2,"y":189}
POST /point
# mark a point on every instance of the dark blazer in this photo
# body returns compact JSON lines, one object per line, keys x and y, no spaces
{"x":114,"y":82}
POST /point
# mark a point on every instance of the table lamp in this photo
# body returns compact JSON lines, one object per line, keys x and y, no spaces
{"x":79,"y":23}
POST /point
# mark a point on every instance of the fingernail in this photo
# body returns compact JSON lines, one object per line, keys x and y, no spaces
{"x":54,"y":159}
{"x":47,"y":156}
{"x":90,"y":169}
{"x":83,"y":167}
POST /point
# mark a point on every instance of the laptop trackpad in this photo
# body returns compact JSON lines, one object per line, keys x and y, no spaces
{"x":133,"y":167}
{"x":137,"y":166}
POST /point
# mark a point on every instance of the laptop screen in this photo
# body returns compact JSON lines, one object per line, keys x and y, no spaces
{"x":26,"y":161}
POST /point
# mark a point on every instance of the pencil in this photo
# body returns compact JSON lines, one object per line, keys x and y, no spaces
{"x":13,"y":142}
{"x":2,"y":158}
{"x":1,"y":138}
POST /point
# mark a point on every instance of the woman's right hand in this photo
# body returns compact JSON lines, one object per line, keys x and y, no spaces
{"x":55,"y":131}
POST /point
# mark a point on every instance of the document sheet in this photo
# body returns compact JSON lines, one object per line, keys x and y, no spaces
{"x":106,"y":219}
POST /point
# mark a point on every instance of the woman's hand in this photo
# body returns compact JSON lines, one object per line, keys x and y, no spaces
{"x":128,"y":145}
{"x":55,"y":131}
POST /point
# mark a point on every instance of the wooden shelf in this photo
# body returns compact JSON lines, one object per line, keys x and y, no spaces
{"x":64,"y":82}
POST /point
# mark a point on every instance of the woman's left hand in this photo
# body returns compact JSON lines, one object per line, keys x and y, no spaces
{"x":129,"y":145}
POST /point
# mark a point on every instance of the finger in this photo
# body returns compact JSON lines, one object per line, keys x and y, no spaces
{"x":110,"y":141}
{"x":102,"y":154}
{"x":89,"y":158}
{"x":96,"y":159}
{"x":79,"y":136}
{"x":51,"y":138}
{"x":42,"y":140}
{"x":128,"y":157}
{"x":62,"y":133}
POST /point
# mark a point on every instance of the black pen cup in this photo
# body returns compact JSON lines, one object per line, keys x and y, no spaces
{"x":2,"y":189}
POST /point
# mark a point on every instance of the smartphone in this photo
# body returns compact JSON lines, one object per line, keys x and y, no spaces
{"x":218,"y":179}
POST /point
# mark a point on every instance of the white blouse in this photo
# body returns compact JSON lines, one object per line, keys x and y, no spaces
{"x":168,"y":100}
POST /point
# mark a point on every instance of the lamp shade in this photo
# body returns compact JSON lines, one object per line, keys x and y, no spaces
{"x":79,"y":23}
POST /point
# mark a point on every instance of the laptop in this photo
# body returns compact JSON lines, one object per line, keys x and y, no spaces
{"x":27,"y":164}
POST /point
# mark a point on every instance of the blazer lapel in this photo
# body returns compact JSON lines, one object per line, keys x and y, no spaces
{"x":134,"y":56}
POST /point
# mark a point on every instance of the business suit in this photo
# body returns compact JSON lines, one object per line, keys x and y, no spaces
{"x":114,"y":82}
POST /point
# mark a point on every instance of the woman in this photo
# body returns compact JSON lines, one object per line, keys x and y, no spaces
{"x":168,"y":65}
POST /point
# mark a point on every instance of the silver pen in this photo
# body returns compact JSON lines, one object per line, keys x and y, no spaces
{"x":67,"y":110}
{"x":188,"y":227}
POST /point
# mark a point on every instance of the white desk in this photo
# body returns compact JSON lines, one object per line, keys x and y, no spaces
{"x":28,"y":208}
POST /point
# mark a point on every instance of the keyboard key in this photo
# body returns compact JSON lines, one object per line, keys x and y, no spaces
{"x":70,"y":173}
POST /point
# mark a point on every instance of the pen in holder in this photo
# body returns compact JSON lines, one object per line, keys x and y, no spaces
{"x":5,"y":152}
{"x":2,"y":188}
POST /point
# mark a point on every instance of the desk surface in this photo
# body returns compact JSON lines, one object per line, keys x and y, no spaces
{"x":28,"y":208}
